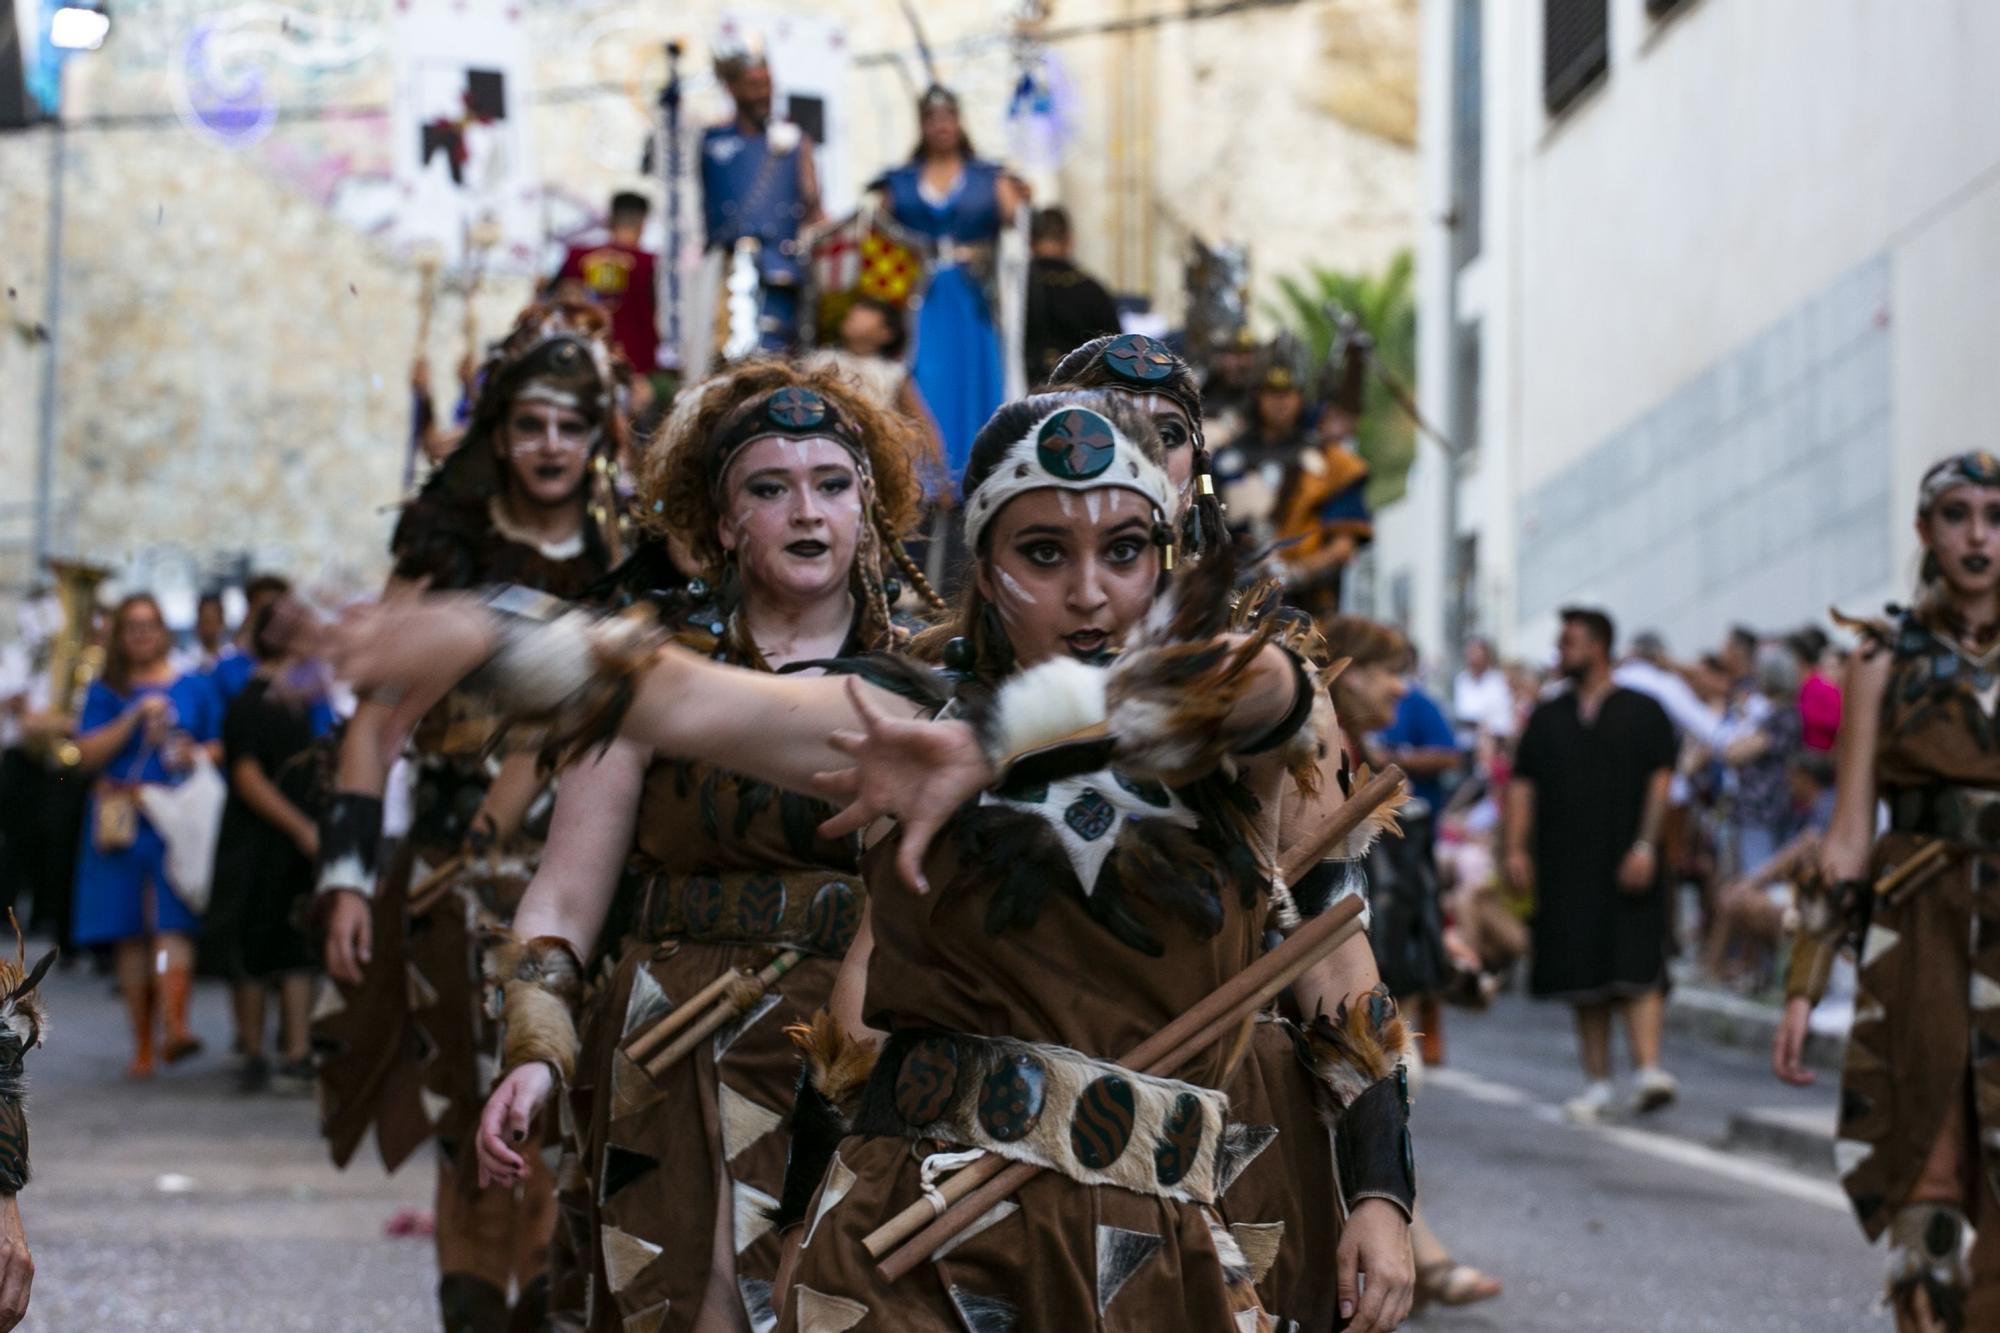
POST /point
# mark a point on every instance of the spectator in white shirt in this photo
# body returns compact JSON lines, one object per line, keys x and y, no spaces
{"x":1482,"y":703}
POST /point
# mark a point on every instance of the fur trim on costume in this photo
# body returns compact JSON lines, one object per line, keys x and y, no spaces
{"x":541,"y":984}
{"x":832,"y":1075}
{"x":1184,"y":672}
{"x":350,"y":838}
{"x":1057,"y":702}
{"x":1358,"y":1047}
{"x":1927,"y":1244}
{"x":1094,"y":1121}
{"x":565,"y":672}
{"x":838,"y":1064}
{"x":23,"y":1024}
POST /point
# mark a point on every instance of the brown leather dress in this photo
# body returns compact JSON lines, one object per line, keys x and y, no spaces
{"x":1062,"y":1254}
{"x":412,"y":1052}
{"x":733,"y":874}
{"x":1926,"y":1029}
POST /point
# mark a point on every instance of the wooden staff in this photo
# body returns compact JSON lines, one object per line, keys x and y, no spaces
{"x":991,"y":1179}
{"x":431,"y":888}
{"x":1928,"y":860}
{"x":655,"y":1038}
{"x":725,"y":1009}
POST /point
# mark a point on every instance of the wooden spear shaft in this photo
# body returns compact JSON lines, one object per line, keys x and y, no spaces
{"x":1206,"y":1023}
{"x":723,"y":1011}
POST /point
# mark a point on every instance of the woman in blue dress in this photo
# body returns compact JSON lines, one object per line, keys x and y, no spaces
{"x":956,"y":204}
{"x":140,"y":724}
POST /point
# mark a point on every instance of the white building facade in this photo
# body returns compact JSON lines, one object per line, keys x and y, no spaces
{"x":1705,"y":286}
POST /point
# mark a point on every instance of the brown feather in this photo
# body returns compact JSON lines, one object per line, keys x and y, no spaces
{"x":1358,"y":1047}
{"x":839,"y":1064}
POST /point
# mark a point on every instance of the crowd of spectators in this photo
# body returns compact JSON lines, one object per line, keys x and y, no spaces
{"x":159,"y":821}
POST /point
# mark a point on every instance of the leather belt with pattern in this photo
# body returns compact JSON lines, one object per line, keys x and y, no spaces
{"x":813,"y":911}
{"x":1968,"y":816}
{"x":1094,"y":1121}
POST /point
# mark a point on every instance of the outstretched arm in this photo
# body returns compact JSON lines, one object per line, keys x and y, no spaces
{"x":766,"y":726}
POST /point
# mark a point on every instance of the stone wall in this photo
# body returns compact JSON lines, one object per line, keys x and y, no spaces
{"x":235,"y":346}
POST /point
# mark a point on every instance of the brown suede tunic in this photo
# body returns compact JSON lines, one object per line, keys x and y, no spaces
{"x":732,"y":874}
{"x":1927,"y":1016}
{"x":1062,"y":1254}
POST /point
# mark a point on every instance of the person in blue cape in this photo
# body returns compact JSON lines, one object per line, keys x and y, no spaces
{"x":141,"y":724}
{"x":956,"y":204}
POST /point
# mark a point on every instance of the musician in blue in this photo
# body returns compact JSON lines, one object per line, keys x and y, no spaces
{"x":957,"y":204}
{"x":758,"y":183}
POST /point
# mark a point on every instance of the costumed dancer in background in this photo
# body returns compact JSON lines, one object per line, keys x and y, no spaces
{"x":1400,"y":879}
{"x":959,"y":205}
{"x":791,"y":489}
{"x":1293,"y":483}
{"x":759,"y":192}
{"x":403,"y":1044}
{"x":1920,"y":1095}
{"x":1286,"y":1193}
{"x":1085,"y":908}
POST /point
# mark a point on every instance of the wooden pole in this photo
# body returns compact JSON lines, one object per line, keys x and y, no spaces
{"x":1207,"y":1022}
{"x":724,"y":1011}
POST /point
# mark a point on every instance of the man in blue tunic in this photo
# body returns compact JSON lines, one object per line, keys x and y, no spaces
{"x":759,"y":189}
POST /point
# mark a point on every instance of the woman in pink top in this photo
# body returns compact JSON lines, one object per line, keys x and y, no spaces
{"x":1819,"y":693}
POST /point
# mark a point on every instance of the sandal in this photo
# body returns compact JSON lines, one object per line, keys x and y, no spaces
{"x":1450,"y":1283}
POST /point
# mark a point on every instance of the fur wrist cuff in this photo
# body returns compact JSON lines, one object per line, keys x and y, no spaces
{"x":1829,"y":917}
{"x":541,"y":984}
{"x":1358,"y":1055}
{"x":1047,"y":723}
{"x":350,"y":838}
{"x":563,"y":670}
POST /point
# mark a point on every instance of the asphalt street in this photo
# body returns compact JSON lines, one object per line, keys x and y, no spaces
{"x":181,"y":1205}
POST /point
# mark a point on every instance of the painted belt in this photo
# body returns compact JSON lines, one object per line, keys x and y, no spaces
{"x":1969,"y":816}
{"x":814,"y":911}
{"x":1094,"y":1121}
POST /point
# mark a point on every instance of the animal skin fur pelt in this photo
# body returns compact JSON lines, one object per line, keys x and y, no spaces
{"x":1927,"y":1266}
{"x":541,"y":983}
{"x":1358,"y":1047}
{"x":23,"y":1024}
{"x":833,"y":1070}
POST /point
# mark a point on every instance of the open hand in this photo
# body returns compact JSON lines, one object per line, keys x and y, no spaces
{"x":503,"y":1126}
{"x":917,"y":772}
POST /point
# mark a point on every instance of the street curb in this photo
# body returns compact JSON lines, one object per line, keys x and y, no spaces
{"x":1729,"y":1019}
{"x":1801,"y":1137}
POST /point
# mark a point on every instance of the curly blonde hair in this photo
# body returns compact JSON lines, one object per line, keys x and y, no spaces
{"x":677,"y":490}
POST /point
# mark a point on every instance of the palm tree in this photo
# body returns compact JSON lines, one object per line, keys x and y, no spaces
{"x":1381,"y":304}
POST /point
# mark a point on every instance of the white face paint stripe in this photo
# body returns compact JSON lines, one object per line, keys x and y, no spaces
{"x":1013,"y":588}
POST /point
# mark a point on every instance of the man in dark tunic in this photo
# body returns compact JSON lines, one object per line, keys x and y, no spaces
{"x":1066,"y":306}
{"x":1584,"y":813}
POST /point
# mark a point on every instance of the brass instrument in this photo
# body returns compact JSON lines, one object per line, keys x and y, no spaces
{"x":74,"y":660}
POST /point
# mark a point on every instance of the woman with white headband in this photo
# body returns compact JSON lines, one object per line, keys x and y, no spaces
{"x":1064,"y":857}
{"x":1918,"y":1146}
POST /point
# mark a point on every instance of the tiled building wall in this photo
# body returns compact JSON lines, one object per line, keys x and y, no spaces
{"x":1758,"y":493}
